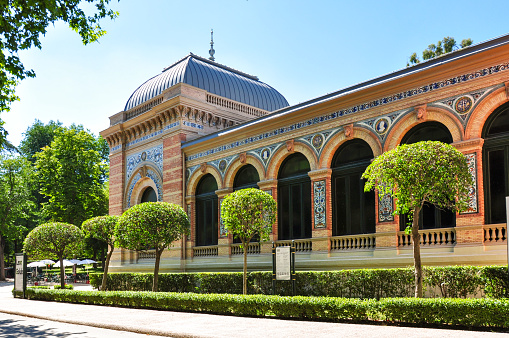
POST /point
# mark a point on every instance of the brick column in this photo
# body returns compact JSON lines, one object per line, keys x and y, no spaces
{"x":117,"y":183}
{"x":191,"y":213}
{"x":223,"y":239}
{"x":270,"y":187}
{"x":468,"y":223}
{"x":173,"y":168}
{"x":387,"y":224}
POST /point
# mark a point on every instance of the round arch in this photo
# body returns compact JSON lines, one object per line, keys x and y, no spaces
{"x":143,"y":177}
{"x":336,"y":141}
{"x":229,"y":177}
{"x":198,"y":174}
{"x":282,"y":153}
{"x":483,"y":111}
{"x":434,"y":114}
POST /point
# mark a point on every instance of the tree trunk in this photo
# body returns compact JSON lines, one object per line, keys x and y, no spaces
{"x":417,"y":253}
{"x":62,"y":273}
{"x":156,"y":269}
{"x":2,"y":261}
{"x":244,"y":277}
{"x":106,"y":266}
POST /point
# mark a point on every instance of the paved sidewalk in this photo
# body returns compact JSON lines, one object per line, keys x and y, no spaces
{"x":181,"y":324}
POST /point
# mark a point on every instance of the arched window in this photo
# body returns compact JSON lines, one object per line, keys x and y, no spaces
{"x":149,"y":195}
{"x":294,"y":198}
{"x":206,"y":211}
{"x":496,"y":164}
{"x":246,"y":177}
{"x":431,"y":217}
{"x":353,"y":209}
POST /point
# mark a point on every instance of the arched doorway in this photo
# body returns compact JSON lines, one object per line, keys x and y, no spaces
{"x":431,"y":217}
{"x":149,"y":195}
{"x":353,"y":209}
{"x":294,"y":198}
{"x":246,"y":177}
{"x":206,"y":211}
{"x":496,"y":164}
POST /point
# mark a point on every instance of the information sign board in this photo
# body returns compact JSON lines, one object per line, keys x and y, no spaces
{"x":20,"y":273}
{"x":283,"y":263}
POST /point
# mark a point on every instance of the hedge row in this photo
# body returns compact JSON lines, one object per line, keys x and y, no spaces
{"x":451,"y":281}
{"x":438,"y":311}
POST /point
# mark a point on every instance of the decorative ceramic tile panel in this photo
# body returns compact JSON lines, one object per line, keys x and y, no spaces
{"x":153,"y":155}
{"x":222,"y":230}
{"x":319,"y":203}
{"x":385,"y":208}
{"x":472,"y":169}
{"x":358,"y":108}
{"x":382,"y":124}
{"x":223,"y":163}
{"x":155,"y":178}
{"x":462,"y":105}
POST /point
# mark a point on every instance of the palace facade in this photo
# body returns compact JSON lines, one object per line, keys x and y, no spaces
{"x":200,"y":130}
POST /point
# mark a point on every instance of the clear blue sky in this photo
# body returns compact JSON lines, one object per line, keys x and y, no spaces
{"x":304,"y":49}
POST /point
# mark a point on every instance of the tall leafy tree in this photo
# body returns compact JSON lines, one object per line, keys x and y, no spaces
{"x":102,"y":228}
{"x":16,"y":176}
{"x":38,"y":136}
{"x":54,"y":241}
{"x":151,"y":226}
{"x":247,"y":213}
{"x":72,"y":172}
{"x":21,"y":25}
{"x":430,"y":171}
{"x":444,"y":46}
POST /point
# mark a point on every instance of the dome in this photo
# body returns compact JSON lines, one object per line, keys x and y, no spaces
{"x":214,"y":78}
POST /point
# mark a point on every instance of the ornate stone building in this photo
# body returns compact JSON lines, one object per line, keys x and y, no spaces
{"x":200,"y":130}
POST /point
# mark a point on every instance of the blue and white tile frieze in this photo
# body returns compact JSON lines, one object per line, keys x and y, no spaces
{"x":154,"y":134}
{"x":190,"y":171}
{"x":223,"y":164}
{"x":135,"y":180}
{"x":463,"y":105}
{"x":153,"y":155}
{"x":382,"y":124}
{"x":319,"y":203}
{"x":317,"y":141}
{"x":155,"y":177}
{"x":358,"y":108}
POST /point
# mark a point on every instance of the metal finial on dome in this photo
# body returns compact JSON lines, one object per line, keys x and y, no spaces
{"x":212,"y":51}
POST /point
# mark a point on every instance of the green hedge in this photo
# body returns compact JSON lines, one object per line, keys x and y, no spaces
{"x":451,"y":281}
{"x":439,"y":311}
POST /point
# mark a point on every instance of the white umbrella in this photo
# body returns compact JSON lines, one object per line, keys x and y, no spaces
{"x":65,"y":262}
{"x":47,"y":261}
{"x":35,"y":265}
{"x":88,"y":261}
{"x":75,"y":261}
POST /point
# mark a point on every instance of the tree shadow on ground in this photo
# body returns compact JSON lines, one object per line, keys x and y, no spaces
{"x":11,"y":328}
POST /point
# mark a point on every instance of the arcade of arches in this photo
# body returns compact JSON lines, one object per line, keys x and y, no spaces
{"x":310,"y":158}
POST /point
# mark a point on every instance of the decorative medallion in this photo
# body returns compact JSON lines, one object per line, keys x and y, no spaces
{"x":381,"y":126}
{"x":144,"y":156}
{"x":222,"y":165}
{"x":153,"y":155}
{"x":319,"y":203}
{"x":463,"y":105}
{"x":317,"y":141}
{"x":265,"y":155}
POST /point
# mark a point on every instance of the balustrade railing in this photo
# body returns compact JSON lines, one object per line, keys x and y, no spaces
{"x":430,"y":237}
{"x":219,"y":101}
{"x":301,"y":245}
{"x":252,"y":249}
{"x":354,"y":242}
{"x":495,"y":233}
{"x":147,"y":255}
{"x":204,"y":251}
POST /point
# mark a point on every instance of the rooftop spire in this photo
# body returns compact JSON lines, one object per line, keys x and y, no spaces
{"x":212,"y":51}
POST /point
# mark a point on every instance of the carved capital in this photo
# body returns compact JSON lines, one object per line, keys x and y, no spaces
{"x":290,"y":145}
{"x":421,"y":112}
{"x":348,"y":131}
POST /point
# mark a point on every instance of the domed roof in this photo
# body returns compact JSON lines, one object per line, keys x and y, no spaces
{"x":214,"y":78}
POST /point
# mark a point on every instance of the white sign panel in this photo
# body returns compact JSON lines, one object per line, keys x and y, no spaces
{"x":283,"y":271}
{"x":18,"y":280}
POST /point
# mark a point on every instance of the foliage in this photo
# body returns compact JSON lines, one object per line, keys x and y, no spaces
{"x":54,"y":241}
{"x":449,"y":281}
{"x":72,"y":172}
{"x":16,"y":177}
{"x":247,"y":213}
{"x":452,"y":312}
{"x":66,"y":287}
{"x":446,"y":45}
{"x":21,"y":25}
{"x":152,"y":225}
{"x":38,"y":136}
{"x":103,"y":229}
{"x":430,"y":171}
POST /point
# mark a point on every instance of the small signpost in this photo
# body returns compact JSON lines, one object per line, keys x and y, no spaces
{"x":20,"y":276}
{"x":283,"y":265}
